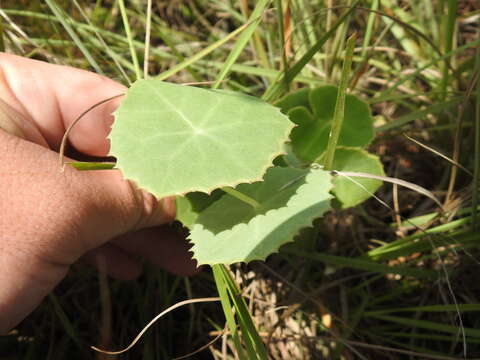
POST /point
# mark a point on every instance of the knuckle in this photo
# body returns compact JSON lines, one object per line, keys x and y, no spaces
{"x":150,"y":210}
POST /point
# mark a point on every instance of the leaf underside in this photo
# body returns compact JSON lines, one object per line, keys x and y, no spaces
{"x":231,"y":231}
{"x":173,"y":139}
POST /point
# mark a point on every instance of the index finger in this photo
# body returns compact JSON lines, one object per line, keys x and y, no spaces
{"x":53,"y":96}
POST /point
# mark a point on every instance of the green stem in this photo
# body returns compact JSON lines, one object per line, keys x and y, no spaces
{"x":242,"y":197}
{"x":340,"y":105}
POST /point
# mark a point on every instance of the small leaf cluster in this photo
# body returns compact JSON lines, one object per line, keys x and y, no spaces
{"x":312,"y":110}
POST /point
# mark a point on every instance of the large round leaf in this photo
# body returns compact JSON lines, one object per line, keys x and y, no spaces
{"x":231,"y":231}
{"x":174,"y":139}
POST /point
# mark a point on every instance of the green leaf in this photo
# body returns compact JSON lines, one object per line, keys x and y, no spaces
{"x":185,"y":212}
{"x":231,"y":231}
{"x":190,"y":205}
{"x":301,"y":116}
{"x":294,"y":99}
{"x":174,"y":139}
{"x":310,"y":139}
{"x":348,"y":191}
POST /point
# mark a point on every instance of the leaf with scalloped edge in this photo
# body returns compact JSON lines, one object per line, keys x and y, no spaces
{"x":351,"y":192}
{"x":315,"y":116}
{"x":192,"y":204}
{"x":173,"y":139}
{"x":298,"y":98}
{"x":231,"y":231}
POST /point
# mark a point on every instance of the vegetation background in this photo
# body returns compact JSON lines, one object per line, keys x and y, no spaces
{"x":366,"y":283}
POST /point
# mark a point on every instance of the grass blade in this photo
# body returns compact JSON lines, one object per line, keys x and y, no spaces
{"x":429,"y":308}
{"x":102,"y":43}
{"x":147,"y":38}
{"x":246,"y":322}
{"x":242,"y":41}
{"x":430,"y":325}
{"x":68,"y":326}
{"x":128,"y":31}
{"x":282,"y":26}
{"x":202,"y":53}
{"x":368,"y":31}
{"x":438,"y":153}
{"x":418,"y":114}
{"x":367,"y":265}
{"x":275,"y":90}
{"x":62,"y":17}
{"x":476,"y":169}
{"x":227,"y":309}
{"x":403,"y":79}
{"x":340,"y":104}
{"x":448,"y":42}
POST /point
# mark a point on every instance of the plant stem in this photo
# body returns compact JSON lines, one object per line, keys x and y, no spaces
{"x":340,"y":105}
{"x":242,"y":197}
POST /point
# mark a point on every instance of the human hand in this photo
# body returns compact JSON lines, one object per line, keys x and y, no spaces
{"x":50,"y":219}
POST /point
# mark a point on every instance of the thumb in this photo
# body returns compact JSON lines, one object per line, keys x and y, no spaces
{"x":70,"y":212}
{"x":120,"y":206}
